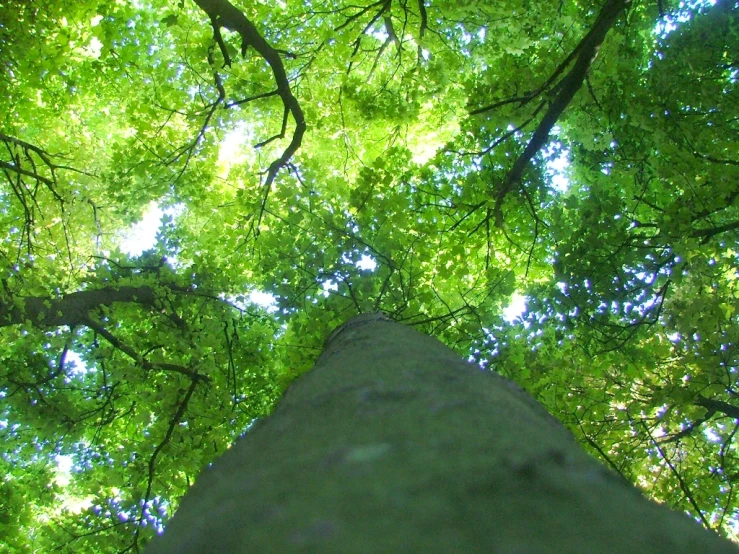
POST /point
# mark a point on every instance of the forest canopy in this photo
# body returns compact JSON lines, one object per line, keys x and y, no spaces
{"x":436,"y":161}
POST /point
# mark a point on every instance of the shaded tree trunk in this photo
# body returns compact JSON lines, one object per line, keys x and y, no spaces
{"x":393,"y":443}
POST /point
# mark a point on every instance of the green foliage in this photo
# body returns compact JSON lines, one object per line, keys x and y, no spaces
{"x":141,"y":368}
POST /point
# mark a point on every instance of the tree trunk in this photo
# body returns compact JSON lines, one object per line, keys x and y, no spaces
{"x":393,"y":443}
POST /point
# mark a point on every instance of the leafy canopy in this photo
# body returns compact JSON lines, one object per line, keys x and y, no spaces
{"x":428,"y":159}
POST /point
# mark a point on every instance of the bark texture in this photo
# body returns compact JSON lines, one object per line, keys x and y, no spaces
{"x":393,"y":443}
{"x":71,"y":309}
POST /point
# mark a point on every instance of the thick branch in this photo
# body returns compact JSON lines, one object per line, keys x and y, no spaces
{"x":224,"y":14}
{"x":71,"y":309}
{"x":424,"y":20}
{"x":719,"y":406}
{"x":74,"y":309}
{"x":17,"y":169}
{"x":565,"y":92}
{"x":712,"y":232}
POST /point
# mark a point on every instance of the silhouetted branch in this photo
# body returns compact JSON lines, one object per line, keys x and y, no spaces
{"x":223,"y":14}
{"x":564,"y":92}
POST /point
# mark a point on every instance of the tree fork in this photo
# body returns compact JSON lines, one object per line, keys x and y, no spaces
{"x":393,"y":443}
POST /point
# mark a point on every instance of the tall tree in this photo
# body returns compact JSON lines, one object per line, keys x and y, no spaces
{"x":392,"y":442}
{"x":427,"y":160}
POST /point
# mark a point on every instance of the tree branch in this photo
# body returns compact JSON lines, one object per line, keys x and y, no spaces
{"x":71,"y":309}
{"x":683,"y":485}
{"x":718,"y":406}
{"x":138,"y":358}
{"x":565,"y":92}
{"x":151,"y":466}
{"x":223,"y":14}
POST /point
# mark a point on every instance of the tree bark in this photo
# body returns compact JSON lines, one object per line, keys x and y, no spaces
{"x":393,"y":443}
{"x":71,"y":309}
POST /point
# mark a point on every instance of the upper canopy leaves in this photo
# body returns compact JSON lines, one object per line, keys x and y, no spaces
{"x":425,"y":159}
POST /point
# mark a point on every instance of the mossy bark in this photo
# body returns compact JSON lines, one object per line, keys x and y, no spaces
{"x":393,"y":443}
